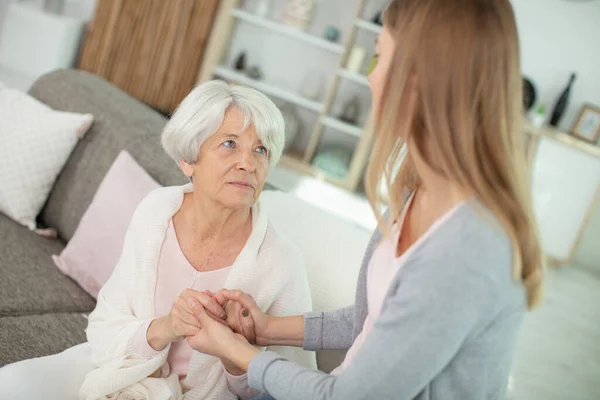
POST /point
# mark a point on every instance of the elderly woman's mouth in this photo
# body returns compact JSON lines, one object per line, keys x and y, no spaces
{"x":242,"y":185}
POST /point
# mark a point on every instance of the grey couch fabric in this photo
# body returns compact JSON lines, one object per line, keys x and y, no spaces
{"x":31,"y":283}
{"x":32,"y":336}
{"x":41,"y":309}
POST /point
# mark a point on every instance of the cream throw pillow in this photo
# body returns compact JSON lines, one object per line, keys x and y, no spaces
{"x":35,"y":144}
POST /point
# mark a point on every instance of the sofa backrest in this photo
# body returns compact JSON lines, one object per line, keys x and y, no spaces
{"x":120,"y":123}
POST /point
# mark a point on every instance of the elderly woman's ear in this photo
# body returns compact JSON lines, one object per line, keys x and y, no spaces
{"x":187,"y":169}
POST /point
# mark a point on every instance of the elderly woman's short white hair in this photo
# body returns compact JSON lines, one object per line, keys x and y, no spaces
{"x":201,"y":113}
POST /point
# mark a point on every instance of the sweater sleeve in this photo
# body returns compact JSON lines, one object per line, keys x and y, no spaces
{"x":112,"y":326}
{"x":329,"y":330}
{"x":421,"y":328}
{"x":294,"y":299}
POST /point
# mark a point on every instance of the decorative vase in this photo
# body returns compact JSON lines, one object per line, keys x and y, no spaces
{"x":529,"y":94}
{"x":240,"y":62}
{"x":299,"y":13}
{"x":312,"y":85}
{"x":351,"y":111}
{"x":355,"y":59}
{"x":332,"y":34}
{"x":334,"y":161}
{"x":255,"y":73}
{"x":561,"y":104}
{"x":292,"y":124}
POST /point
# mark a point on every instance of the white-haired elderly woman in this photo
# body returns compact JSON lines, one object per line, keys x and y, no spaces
{"x":183,"y":244}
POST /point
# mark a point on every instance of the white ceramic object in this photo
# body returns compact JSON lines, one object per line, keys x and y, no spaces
{"x":356,"y":59}
{"x":292,"y":124}
{"x":299,"y":13}
{"x":262,"y":8}
{"x":312,"y":85}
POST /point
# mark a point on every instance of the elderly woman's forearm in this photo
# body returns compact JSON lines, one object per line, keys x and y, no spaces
{"x":283,"y":331}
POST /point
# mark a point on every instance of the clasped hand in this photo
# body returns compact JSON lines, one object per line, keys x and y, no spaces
{"x":210,"y":322}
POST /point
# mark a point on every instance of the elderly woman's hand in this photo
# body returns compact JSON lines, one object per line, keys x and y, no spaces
{"x":181,"y":321}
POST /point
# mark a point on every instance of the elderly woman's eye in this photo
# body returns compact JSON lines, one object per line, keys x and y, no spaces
{"x":262,"y":150}
{"x":229,"y":143}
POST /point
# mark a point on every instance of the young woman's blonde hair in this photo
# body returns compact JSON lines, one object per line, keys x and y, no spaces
{"x":467,"y":124}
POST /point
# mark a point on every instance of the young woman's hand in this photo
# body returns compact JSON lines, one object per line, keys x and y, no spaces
{"x":243,"y":315}
{"x":181,"y":321}
{"x":219,"y":340}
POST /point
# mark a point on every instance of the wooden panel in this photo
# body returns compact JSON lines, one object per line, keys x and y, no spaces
{"x":151,"y":49}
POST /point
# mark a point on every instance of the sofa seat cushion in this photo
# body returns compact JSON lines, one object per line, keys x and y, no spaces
{"x":31,"y":283}
{"x":32,"y":336}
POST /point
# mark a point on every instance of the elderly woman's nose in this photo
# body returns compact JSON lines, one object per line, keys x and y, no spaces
{"x":247,"y":161}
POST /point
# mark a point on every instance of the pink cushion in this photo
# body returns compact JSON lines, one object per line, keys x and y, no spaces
{"x":92,"y":253}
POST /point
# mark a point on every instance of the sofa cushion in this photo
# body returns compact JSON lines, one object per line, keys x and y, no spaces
{"x":39,"y":335}
{"x":121,"y":123}
{"x":36,"y":144}
{"x":30,"y":282}
{"x":93,"y":252}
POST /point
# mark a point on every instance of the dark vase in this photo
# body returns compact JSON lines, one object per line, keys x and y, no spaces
{"x":240,"y":62}
{"x":561,"y":104}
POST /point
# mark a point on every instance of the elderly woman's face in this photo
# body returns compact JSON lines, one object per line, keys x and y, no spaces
{"x":233,"y":164}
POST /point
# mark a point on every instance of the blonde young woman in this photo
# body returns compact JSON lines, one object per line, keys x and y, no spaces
{"x":443,"y":291}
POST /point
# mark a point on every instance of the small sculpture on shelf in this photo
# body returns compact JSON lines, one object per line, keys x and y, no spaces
{"x":299,"y":13}
{"x":351,"y":111}
{"x":334,"y":160}
{"x":240,"y":62}
{"x":312,"y":85}
{"x":292,"y":124}
{"x":254,"y":72}
{"x":262,"y":8}
{"x":331,"y":34}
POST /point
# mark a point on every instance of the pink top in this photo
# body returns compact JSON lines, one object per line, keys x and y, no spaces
{"x":383,"y":267}
{"x":175,"y":273}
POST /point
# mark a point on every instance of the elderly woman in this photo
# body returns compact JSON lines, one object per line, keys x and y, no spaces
{"x":183,"y":244}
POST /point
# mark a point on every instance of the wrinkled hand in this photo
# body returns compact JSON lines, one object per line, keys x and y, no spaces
{"x":214,"y":338}
{"x":182,"y":322}
{"x":243,"y":315}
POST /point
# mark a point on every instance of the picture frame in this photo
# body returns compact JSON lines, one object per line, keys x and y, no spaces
{"x":587,"y":125}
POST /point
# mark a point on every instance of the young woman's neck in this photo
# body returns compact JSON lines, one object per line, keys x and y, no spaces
{"x":442,"y":191}
{"x":212,"y":220}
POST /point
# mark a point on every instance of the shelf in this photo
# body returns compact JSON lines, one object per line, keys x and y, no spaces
{"x":368,"y":26}
{"x":341,"y":126}
{"x":268,"y":88}
{"x":563,"y":137}
{"x":288,"y":31}
{"x":354,"y":77}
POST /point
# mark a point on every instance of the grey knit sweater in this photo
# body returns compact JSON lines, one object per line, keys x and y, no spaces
{"x":447,"y":329}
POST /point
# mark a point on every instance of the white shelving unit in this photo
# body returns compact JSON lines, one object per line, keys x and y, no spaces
{"x":285,"y":30}
{"x":368,"y":26}
{"x":229,"y":14}
{"x":354,"y":77}
{"x":342,"y":126}
{"x":288,"y":95}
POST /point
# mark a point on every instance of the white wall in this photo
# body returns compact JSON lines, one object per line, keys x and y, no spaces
{"x":559,"y":37}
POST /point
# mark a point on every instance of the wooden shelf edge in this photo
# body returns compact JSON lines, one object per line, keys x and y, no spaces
{"x":564,"y":138}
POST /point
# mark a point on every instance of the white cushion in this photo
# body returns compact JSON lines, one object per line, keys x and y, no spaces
{"x":36,"y":142}
{"x":333,"y":248}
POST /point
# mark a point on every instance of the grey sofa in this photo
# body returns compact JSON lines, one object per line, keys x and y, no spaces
{"x":41,"y":310}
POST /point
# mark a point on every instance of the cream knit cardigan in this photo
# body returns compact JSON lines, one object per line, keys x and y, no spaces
{"x":268,"y":267}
